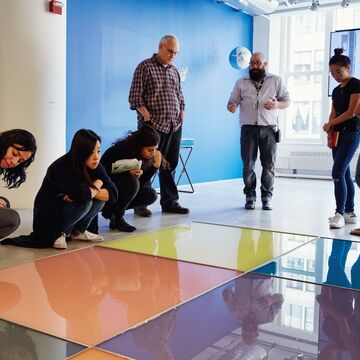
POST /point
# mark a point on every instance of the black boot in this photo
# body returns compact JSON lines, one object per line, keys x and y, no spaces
{"x":119,"y":223}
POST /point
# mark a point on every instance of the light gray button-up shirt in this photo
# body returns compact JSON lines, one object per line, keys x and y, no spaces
{"x":252,"y":111}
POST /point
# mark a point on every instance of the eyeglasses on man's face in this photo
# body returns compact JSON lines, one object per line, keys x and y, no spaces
{"x":170,"y":51}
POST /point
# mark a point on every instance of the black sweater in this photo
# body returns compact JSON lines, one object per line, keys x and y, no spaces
{"x":47,"y":221}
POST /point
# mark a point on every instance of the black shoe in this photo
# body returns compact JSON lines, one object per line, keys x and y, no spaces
{"x":142,"y":211}
{"x":118,"y":223}
{"x":266,"y":205}
{"x":250,"y":205}
{"x":175,"y":208}
{"x":106,"y":213}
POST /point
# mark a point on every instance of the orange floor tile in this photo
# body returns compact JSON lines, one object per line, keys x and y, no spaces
{"x":89,"y":295}
{"x":95,"y":354}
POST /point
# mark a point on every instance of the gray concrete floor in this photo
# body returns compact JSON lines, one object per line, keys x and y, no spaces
{"x":301,"y":206}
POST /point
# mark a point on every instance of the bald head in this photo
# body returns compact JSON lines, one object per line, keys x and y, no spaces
{"x":168,"y":49}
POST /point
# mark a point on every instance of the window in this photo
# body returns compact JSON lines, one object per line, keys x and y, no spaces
{"x":295,"y":263}
{"x":310,"y":265}
{"x":303,"y":65}
{"x":293,"y":315}
{"x":309,"y":319}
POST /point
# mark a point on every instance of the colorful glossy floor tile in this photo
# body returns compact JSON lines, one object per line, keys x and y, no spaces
{"x":223,"y":246}
{"x":96,"y":354}
{"x":331,"y":261}
{"x":20,"y":343}
{"x":252,"y":317}
{"x":92,"y":294}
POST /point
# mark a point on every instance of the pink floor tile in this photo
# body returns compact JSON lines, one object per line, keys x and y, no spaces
{"x":90,"y":295}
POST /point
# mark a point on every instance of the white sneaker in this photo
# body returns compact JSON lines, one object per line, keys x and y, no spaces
{"x":350,"y":218}
{"x":88,"y":236}
{"x":337,"y":221}
{"x":60,"y":242}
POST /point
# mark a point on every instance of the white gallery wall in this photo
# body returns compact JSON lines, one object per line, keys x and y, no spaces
{"x":33,"y":85}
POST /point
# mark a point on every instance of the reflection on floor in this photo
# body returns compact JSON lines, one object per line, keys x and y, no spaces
{"x":187,"y":290}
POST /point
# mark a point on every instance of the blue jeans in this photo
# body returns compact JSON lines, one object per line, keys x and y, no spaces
{"x":337,"y":261}
{"x":78,"y":216}
{"x":343,"y":183}
{"x":254,"y":138}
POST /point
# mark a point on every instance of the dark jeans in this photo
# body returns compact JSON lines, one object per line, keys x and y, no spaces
{"x":343,"y":183}
{"x":170,"y":148}
{"x":79,"y":216}
{"x":337,"y":261}
{"x":9,"y":221}
{"x":254,"y":138}
{"x":131,"y":193}
{"x":357,"y":172}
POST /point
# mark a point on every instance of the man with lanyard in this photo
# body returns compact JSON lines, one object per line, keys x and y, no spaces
{"x":156,"y":95}
{"x":259,"y":96}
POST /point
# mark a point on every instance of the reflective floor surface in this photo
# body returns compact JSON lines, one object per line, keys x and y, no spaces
{"x":212,"y":244}
{"x":193,"y":291}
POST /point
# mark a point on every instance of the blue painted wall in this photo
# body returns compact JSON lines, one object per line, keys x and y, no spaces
{"x":107,"y":39}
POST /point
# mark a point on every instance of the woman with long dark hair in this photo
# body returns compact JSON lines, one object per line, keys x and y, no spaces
{"x":133,"y":183}
{"x":17,"y":152}
{"x":344,"y":122}
{"x":74,"y":190}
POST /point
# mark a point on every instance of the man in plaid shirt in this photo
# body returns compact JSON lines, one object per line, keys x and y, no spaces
{"x":156,"y":95}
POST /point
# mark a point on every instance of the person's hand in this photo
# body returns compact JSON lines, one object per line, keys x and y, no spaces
{"x":271,"y":104}
{"x":145,"y":114}
{"x":136,"y":172}
{"x":327,"y":127}
{"x":98,"y":183}
{"x":181,"y":115}
{"x":3,"y":203}
{"x":67,"y":198}
{"x":157,"y":158}
{"x":322,"y":300}
{"x":232,"y":107}
{"x":265,"y":301}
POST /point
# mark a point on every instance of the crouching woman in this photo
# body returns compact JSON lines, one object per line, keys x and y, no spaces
{"x":74,"y":190}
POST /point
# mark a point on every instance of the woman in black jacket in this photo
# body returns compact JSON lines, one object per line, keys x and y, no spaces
{"x":74,"y":190}
{"x":134,"y":182}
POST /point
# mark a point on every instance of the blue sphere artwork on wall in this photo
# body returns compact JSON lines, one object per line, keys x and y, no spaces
{"x":239,"y":57}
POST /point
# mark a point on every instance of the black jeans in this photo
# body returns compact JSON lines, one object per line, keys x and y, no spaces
{"x":169,"y":147}
{"x":254,"y":138}
{"x":131,"y":193}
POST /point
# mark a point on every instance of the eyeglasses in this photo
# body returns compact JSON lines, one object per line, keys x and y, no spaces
{"x":255,"y":63}
{"x":171,"y":52}
{"x":337,"y":72}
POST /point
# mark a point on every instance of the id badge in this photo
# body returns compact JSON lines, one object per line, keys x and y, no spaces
{"x":255,"y":103}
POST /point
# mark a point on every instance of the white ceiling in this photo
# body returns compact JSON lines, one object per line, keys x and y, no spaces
{"x":305,"y":5}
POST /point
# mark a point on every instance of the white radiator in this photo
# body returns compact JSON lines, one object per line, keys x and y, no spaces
{"x":310,"y":160}
{"x":313,"y":161}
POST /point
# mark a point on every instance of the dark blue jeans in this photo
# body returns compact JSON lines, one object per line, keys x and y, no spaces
{"x":78,"y":216}
{"x":254,"y":138}
{"x":337,"y":261}
{"x":343,"y":183}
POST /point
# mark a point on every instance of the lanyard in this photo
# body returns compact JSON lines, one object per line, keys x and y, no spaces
{"x":258,"y":87}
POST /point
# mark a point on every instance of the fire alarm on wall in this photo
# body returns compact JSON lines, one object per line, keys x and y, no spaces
{"x":55,"y":7}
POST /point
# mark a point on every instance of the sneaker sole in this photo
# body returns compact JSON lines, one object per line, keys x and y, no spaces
{"x":60,"y":247}
{"x":90,"y":240}
{"x":336,"y":226}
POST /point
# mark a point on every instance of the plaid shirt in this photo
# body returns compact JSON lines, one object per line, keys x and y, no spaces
{"x":157,"y":87}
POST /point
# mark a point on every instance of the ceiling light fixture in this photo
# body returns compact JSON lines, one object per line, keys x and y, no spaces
{"x":315,"y":5}
{"x":345,"y":3}
{"x":290,"y":2}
